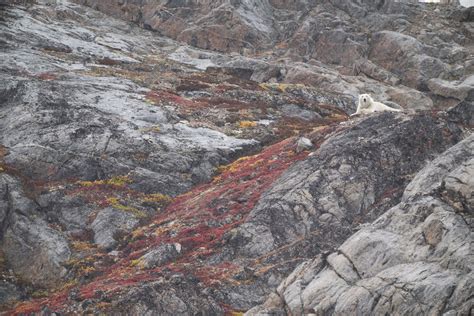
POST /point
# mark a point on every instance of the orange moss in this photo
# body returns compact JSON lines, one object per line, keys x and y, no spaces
{"x":247,"y":124}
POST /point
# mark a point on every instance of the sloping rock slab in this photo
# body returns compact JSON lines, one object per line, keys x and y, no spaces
{"x":417,"y":259}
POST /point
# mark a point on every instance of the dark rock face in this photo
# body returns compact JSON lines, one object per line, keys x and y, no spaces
{"x":350,"y":179}
{"x":140,"y":175}
{"x":414,"y":259}
{"x":183,"y":298}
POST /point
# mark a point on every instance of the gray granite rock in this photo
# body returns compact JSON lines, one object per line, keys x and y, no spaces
{"x":109,"y":223}
{"x":160,"y":255}
{"x":415,"y":259}
{"x":458,"y":89}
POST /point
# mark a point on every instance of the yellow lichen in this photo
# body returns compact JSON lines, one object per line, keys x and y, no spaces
{"x":168,"y":228}
{"x":70,"y":283}
{"x":138,"y":233}
{"x":257,"y":163}
{"x":115,"y":203}
{"x":117,"y":181}
{"x":235,"y":166}
{"x":81,"y":245}
{"x":150,"y":101}
{"x":337,"y":116}
{"x":39,"y":293}
{"x":154,"y":129}
{"x":135,"y":263}
{"x":86,"y":270}
{"x":157,"y":198}
{"x":247,"y":124}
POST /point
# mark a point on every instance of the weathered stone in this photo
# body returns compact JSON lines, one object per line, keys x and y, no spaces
{"x":159,"y":297}
{"x":35,"y":251}
{"x":458,"y":89}
{"x":416,"y":258}
{"x":340,"y":48}
{"x":463,"y":113}
{"x":292,"y":207}
{"x":160,"y":255}
{"x":303,"y":144}
{"x":109,"y":223}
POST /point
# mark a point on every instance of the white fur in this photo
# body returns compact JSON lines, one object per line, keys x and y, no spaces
{"x":367,"y":105}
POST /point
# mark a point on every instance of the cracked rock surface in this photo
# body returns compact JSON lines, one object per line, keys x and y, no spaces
{"x":415,"y":259}
{"x":340,"y":186}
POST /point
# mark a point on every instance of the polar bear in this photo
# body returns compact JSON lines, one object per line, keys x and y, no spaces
{"x":368,"y":105}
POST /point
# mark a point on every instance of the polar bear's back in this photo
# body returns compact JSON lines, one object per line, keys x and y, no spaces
{"x":379,"y":106}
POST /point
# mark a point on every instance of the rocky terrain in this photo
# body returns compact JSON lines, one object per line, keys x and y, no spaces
{"x":198,"y":158}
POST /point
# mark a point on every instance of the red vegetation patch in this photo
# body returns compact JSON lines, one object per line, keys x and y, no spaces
{"x":231,"y":104}
{"x":161,"y":97}
{"x":191,"y":105}
{"x":197,"y":220}
{"x":108,"y":61}
{"x":191,"y":85}
{"x":47,"y":76}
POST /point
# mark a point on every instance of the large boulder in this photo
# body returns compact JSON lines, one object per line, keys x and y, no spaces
{"x":160,"y":255}
{"x":452,"y":89}
{"x":110,"y":223}
{"x":404,"y":56}
{"x":33,"y":250}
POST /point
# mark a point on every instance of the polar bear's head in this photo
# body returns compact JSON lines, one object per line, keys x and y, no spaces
{"x":365,"y":100}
